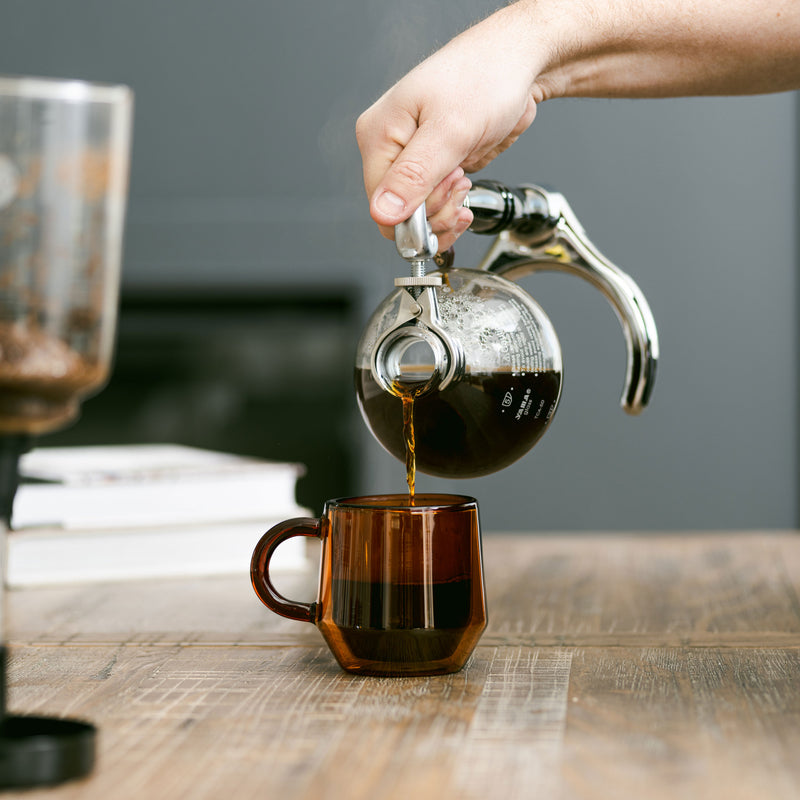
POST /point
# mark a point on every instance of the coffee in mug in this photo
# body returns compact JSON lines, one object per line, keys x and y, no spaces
{"x":401,"y":581}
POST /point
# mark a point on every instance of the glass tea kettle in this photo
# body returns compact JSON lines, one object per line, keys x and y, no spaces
{"x":471,"y":354}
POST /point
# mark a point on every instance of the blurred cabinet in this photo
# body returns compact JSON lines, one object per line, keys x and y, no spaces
{"x":267,"y":374}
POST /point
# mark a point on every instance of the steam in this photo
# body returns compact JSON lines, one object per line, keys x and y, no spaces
{"x":396,"y":36}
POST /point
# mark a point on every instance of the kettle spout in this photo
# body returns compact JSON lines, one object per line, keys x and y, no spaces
{"x":537,"y":230}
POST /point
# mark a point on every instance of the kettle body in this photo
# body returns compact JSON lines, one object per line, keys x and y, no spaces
{"x":502,"y":394}
{"x":465,"y":359}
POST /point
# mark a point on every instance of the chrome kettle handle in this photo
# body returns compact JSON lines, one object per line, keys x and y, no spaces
{"x":537,"y":230}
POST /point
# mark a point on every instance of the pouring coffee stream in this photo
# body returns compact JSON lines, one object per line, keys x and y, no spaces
{"x":458,"y":371}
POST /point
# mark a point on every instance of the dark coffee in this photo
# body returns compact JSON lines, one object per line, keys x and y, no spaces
{"x":477,"y":425}
{"x":402,"y":622}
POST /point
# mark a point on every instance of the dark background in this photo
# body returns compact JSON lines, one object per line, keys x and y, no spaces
{"x":251,"y":264}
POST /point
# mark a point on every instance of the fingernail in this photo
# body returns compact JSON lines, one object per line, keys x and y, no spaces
{"x":389,"y":203}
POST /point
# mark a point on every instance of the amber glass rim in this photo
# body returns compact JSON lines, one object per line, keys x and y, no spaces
{"x":424,"y":501}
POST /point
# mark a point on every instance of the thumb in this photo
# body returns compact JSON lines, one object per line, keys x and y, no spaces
{"x":414,"y":174}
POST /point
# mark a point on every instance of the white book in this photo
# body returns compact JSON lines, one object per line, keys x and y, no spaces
{"x":41,"y":556}
{"x":128,"y":486}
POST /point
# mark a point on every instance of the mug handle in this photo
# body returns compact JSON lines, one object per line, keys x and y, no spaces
{"x":259,"y":568}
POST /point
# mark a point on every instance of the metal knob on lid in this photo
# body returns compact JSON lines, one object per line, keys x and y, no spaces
{"x":414,"y":239}
{"x":416,"y":355}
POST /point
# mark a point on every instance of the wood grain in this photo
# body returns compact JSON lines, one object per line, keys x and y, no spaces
{"x":695,"y":722}
{"x":613,"y":667}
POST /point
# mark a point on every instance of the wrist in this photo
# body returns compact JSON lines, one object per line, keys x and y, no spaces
{"x":549,"y":41}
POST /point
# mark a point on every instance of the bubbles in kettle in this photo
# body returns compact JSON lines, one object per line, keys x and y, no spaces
{"x":488,"y":322}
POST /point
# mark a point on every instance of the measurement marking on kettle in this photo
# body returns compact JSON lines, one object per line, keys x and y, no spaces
{"x":525,"y":405}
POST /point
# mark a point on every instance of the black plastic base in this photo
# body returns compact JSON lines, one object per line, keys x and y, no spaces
{"x":42,"y":751}
{"x":34,"y":751}
{"x":12,"y":447}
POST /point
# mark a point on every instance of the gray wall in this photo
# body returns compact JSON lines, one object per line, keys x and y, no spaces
{"x":246,"y":172}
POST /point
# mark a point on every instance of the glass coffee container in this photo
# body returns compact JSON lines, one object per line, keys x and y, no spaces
{"x":64,"y":156}
{"x":63,"y":178}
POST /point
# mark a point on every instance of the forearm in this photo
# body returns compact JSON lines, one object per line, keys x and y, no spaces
{"x":472,"y":99}
{"x":653,"y":48}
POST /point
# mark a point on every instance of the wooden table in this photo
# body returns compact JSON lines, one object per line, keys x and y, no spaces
{"x":613,"y":667}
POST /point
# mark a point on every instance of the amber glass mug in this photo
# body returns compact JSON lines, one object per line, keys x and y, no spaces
{"x":401,"y":586}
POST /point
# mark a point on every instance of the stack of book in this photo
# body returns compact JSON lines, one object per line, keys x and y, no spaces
{"x":120,"y":512}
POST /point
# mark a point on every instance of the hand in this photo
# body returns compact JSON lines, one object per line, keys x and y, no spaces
{"x":452,"y":114}
{"x":472,"y":99}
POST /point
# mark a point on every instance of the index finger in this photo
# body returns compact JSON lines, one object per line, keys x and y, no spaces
{"x":404,"y":159}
